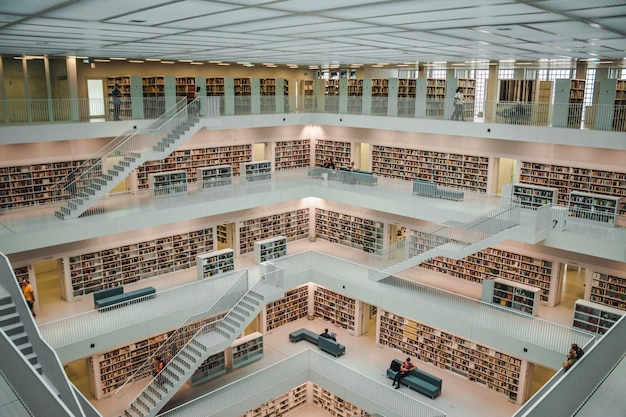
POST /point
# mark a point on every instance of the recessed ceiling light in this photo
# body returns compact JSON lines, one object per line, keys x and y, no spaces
{"x":135,"y":61}
{"x":185,"y":60}
{"x":167,"y":62}
{"x":197,"y":63}
{"x":153,"y":59}
{"x":102,"y":60}
{"x":118,"y":59}
{"x":227,"y":64}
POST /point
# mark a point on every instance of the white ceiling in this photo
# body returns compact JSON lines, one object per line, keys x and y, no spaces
{"x":318,"y":32}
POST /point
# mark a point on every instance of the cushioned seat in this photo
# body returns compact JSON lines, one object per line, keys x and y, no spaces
{"x":329,"y":345}
{"x":417,"y":380}
{"x":116,"y":296}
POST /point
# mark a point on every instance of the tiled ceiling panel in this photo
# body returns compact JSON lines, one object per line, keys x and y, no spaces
{"x":317,"y":32}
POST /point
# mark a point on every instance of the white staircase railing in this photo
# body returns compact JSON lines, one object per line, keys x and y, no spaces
{"x":101,"y":172}
{"x":146,"y":394}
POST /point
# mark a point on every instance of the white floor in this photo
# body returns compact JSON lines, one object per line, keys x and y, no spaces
{"x":459,"y":399}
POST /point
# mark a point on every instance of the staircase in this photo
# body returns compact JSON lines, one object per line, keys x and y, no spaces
{"x":210,"y":339}
{"x":94,"y":180}
{"x":11,"y":324}
{"x":458,"y":240}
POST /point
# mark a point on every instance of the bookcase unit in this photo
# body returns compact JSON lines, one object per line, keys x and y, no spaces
{"x":566,"y":179}
{"x":293,"y":225}
{"x":192,"y":159}
{"x":594,"y":318}
{"x":530,"y":196}
{"x":273,"y":95}
{"x":154,"y":94}
{"x":169,"y":184}
{"x":534,"y":95}
{"x":307,"y":92}
{"x":32,"y":184}
{"x":124,"y":82}
{"x":292,"y":154}
{"x":379,"y":96}
{"x":340,"y":152}
{"x":111,"y":369}
{"x":469,"y":172}
{"x":268,"y":249}
{"x":257,"y":171}
{"x":186,"y":87}
{"x":215,"y":87}
{"x":435,"y":98}
{"x":110,"y":267}
{"x":512,"y":295}
{"x":480,"y":364}
{"x":334,"y":405}
{"x":345,"y":229}
{"x":242,"y":88}
{"x":569,"y":96}
{"x":331,"y":95}
{"x":468,"y":89}
{"x":612,"y":100}
{"x":214,"y":177}
{"x":245,"y":350}
{"x":608,"y":290}
{"x":599,"y":208}
{"x":335,"y":308}
{"x":407,"y":92}
{"x":293,"y":306}
{"x":282,"y":405}
{"x":215,"y":263}
{"x":517,"y":91}
{"x":212,"y":367}
{"x":494,"y":263}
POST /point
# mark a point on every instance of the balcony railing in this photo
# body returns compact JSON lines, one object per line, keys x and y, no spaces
{"x":606,"y":117}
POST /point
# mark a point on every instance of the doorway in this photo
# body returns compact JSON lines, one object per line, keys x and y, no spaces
{"x":225,"y":233}
{"x":49,"y":282}
{"x":573,"y":284}
{"x":95,"y":95}
{"x":506,"y":172}
{"x":368,"y":320}
{"x":260,"y":152}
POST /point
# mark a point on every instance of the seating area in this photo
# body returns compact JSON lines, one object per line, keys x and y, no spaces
{"x":431,"y":189}
{"x":349,"y":177}
{"x":417,"y":380}
{"x":116,"y":296}
{"x":328,"y":345}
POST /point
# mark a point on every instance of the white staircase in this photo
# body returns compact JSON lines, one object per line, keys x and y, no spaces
{"x":94,"y":180}
{"x":11,"y":324}
{"x":210,"y":339}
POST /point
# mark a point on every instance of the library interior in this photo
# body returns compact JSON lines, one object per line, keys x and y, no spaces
{"x":262,"y":209}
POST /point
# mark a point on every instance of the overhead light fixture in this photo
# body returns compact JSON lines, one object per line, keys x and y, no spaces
{"x":197,"y":63}
{"x":216,"y":62}
{"x":118,"y":59}
{"x":102,"y":60}
{"x":240,"y":63}
{"x":402,"y":65}
{"x":135,"y":61}
{"x":523,"y":63}
{"x":227,"y":64}
{"x":168,"y":62}
{"x":153,"y":59}
{"x":605,"y":62}
{"x":185,"y":60}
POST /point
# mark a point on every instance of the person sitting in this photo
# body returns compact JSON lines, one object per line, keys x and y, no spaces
{"x":328,"y":335}
{"x":406,"y":367}
{"x":329,"y":164}
{"x":571,"y":359}
{"x":579,"y":352}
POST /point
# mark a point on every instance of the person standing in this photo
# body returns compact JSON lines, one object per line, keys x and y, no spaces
{"x":116,"y":95}
{"x":407,"y":366}
{"x":29,"y":295}
{"x":459,"y":106}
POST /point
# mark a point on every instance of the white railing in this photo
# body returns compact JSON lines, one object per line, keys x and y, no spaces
{"x":268,"y":383}
{"x":607,"y":117}
{"x":200,"y":295}
{"x":550,"y":336}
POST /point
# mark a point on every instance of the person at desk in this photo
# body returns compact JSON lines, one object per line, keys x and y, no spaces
{"x":328,"y":335}
{"x":351,"y":167}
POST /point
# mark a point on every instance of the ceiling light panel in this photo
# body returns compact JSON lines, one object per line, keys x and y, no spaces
{"x":227,"y":19}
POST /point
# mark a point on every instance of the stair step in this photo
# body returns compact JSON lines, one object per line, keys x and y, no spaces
{"x":124,"y":163}
{"x":107,"y":177}
{"x":38,"y":368}
{"x":7,"y":308}
{"x":198,"y":345}
{"x":65,"y":210}
{"x":14,"y":328}
{"x":158,"y":148}
{"x":153,"y":391}
{"x":59,"y":215}
{"x":141,"y":401}
{"x":31,"y":357}
{"x":184,"y":362}
{"x":19,"y":338}
{"x":10,"y":318}
{"x":99,"y":181}
{"x":25,"y":348}
{"x":135,"y":155}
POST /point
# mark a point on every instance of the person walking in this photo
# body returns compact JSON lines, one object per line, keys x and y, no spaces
{"x":459,"y":106}
{"x":29,"y":295}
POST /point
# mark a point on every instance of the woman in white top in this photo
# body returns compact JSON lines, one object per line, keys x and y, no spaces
{"x":459,"y":102}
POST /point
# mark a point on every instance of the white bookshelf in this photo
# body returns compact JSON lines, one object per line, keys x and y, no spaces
{"x":340,"y":152}
{"x":594,"y":207}
{"x":268,"y":249}
{"x":214,"y":177}
{"x":281,"y":405}
{"x":335,"y":308}
{"x":293,"y":225}
{"x":245,"y":350}
{"x":511,"y":295}
{"x":334,"y":405}
{"x":292,"y":154}
{"x":215,"y":263}
{"x":531,"y":196}
{"x":255,"y":172}
{"x":353,"y":231}
{"x":608,"y":290}
{"x":293,"y":306}
{"x":595,"y":318}
{"x":168,"y":184}
{"x":211,"y":368}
